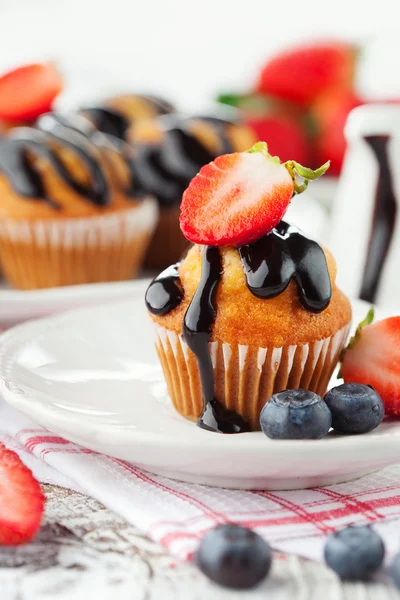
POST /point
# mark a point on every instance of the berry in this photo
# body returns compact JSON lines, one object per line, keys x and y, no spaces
{"x":295,"y":415}
{"x":329,"y":113}
{"x":303,"y":73}
{"x":354,"y":553}
{"x":238,"y":198}
{"x":355,"y":408}
{"x":394,"y":570}
{"x":282,"y":125}
{"x":373,"y":358}
{"x":21,"y":500}
{"x":29,"y":91}
{"x":234,"y":557}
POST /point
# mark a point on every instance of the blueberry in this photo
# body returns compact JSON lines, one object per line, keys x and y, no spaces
{"x":355,"y":552}
{"x":294,"y":415}
{"x":234,"y":557}
{"x":355,"y":408}
{"x":394,"y":570}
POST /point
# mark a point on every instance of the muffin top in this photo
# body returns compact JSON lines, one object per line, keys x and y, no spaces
{"x":243,"y":318}
{"x":63,"y":168}
{"x":116,"y":115}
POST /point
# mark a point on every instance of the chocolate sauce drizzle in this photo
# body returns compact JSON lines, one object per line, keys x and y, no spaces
{"x":197,"y":326}
{"x":73,"y":132}
{"x":383,"y":220}
{"x":165,"y":170}
{"x":269,"y":265}
{"x":274,"y":260}
{"x":113,"y":122}
{"x":165,"y":292}
{"x":108,"y":120}
{"x":23,"y":144}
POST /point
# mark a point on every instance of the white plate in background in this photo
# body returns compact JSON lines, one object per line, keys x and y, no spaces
{"x":92,"y":376}
{"x":19,"y":305}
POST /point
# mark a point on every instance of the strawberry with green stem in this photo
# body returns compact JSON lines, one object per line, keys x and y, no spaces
{"x":238,"y":198}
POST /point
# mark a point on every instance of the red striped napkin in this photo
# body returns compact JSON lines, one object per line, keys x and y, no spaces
{"x":177,"y":514}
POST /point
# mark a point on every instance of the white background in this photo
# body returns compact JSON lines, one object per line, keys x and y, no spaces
{"x":186,"y":49}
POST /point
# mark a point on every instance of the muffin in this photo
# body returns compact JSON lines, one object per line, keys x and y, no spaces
{"x":68,"y":209}
{"x":119,"y":115}
{"x":252,"y":310}
{"x":169,"y":151}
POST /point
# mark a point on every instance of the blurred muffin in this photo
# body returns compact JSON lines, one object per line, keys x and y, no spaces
{"x":169,"y":152}
{"x":69,"y":212}
{"x":119,"y":115}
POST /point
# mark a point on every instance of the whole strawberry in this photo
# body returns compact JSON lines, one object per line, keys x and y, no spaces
{"x":238,"y":198}
{"x":21,"y":500}
{"x":304,"y":72}
{"x":373,"y":358}
{"x":329,"y":113}
{"x":282,"y":125}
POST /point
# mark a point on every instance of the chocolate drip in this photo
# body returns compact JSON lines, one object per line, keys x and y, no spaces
{"x":51,"y":122}
{"x":165,"y":292}
{"x":166,"y":169}
{"x":108,"y":120}
{"x":197,"y":325}
{"x":383,"y":220}
{"x":18,"y":149}
{"x":161,"y":106}
{"x":273,"y":261}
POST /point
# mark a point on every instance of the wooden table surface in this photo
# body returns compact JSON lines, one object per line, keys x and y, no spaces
{"x":85,"y":551}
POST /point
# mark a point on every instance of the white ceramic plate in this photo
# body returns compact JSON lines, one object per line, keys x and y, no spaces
{"x":92,"y":376}
{"x":18,"y":305}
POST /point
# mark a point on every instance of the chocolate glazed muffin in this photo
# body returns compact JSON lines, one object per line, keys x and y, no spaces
{"x":69,"y":212}
{"x":254,"y":308}
{"x":169,"y":152}
{"x":118,"y":115}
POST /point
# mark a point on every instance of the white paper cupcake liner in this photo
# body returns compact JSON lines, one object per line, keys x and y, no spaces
{"x":48,"y":253}
{"x":246,"y":376}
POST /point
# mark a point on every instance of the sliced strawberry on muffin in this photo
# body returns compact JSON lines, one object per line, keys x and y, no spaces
{"x":373,"y":358}
{"x":238,"y":198}
{"x":21,"y":500}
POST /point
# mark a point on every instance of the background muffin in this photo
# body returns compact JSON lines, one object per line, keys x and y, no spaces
{"x":68,"y":211}
{"x":169,"y":152}
{"x":119,"y":115}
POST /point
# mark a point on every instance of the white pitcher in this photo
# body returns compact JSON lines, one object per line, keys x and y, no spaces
{"x":365,"y":228}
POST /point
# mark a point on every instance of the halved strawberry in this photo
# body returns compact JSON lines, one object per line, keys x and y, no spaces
{"x":21,"y":500}
{"x":27,"y":92}
{"x":373,"y":358}
{"x":238,"y":198}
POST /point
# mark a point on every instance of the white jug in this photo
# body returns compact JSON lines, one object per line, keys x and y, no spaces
{"x":365,"y":229}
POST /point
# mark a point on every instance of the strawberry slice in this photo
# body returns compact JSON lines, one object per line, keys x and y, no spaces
{"x":373,"y":358}
{"x":238,"y":198}
{"x":27,"y":92}
{"x":21,"y":500}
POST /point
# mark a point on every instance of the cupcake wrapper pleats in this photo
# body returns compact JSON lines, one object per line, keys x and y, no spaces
{"x":49,"y":253}
{"x":246,"y":376}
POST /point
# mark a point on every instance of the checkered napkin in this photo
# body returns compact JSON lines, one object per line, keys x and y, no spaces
{"x":177,"y":514}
